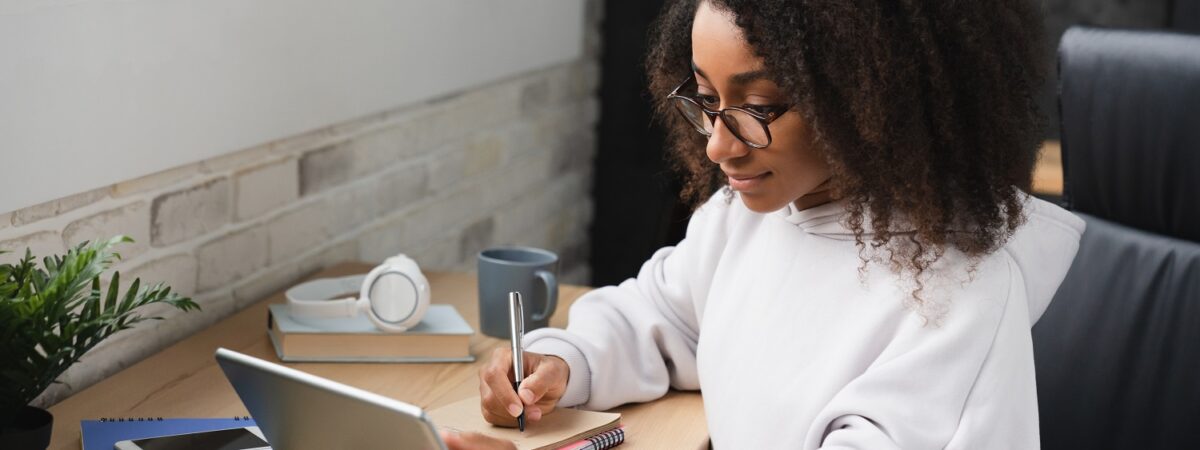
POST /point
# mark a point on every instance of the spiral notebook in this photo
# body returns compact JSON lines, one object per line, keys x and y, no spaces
{"x":563,"y":428}
{"x":103,"y":433}
{"x":602,"y":441}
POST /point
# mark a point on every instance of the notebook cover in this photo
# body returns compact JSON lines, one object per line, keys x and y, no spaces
{"x":564,"y":426}
{"x":103,"y":434}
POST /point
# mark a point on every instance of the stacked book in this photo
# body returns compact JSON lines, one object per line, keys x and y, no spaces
{"x":442,"y":336}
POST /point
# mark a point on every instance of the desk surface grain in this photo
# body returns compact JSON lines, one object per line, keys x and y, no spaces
{"x":183,"y":380}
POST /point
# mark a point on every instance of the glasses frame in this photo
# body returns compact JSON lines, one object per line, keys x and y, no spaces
{"x":773,"y":113}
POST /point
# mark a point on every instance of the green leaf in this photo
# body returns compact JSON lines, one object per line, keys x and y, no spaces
{"x":130,"y":296}
{"x":51,"y":315}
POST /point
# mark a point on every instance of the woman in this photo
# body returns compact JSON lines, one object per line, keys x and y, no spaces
{"x":865,"y":270}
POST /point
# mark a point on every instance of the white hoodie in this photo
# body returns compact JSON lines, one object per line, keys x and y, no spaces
{"x":794,"y":348}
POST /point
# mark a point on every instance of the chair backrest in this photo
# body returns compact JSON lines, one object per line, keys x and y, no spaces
{"x":1130,"y":104}
{"x":1118,"y":349}
{"x":1185,"y":16}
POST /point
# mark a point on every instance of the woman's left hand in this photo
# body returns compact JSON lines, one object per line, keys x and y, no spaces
{"x":474,"y":441}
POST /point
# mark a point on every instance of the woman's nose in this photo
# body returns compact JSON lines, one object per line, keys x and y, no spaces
{"x":723,"y":145}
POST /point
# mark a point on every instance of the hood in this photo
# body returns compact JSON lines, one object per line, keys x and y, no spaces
{"x":1043,"y":248}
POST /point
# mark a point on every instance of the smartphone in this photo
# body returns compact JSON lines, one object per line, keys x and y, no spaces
{"x":231,"y":439}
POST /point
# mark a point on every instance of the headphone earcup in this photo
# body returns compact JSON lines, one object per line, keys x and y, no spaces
{"x":398,"y":294}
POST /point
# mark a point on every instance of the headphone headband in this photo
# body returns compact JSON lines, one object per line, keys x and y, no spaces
{"x":317,"y":298}
{"x":314,"y":297}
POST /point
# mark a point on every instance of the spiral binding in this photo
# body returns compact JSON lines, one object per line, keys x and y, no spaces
{"x":608,"y":439}
{"x":151,"y":419}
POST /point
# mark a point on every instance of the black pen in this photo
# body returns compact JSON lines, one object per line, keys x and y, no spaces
{"x":516,"y":321}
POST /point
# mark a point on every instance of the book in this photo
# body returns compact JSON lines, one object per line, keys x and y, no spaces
{"x":103,"y":433}
{"x":562,"y":428}
{"x":442,"y":336}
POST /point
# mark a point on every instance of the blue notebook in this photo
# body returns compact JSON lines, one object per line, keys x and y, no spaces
{"x":102,"y":434}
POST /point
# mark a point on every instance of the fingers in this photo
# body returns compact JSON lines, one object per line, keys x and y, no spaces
{"x":499,"y":402}
{"x":532,"y":389}
{"x":499,"y":419}
{"x":547,"y":382}
{"x":537,"y":395}
{"x":488,"y":408}
{"x":531,"y":393}
{"x":541,"y":390}
{"x":452,"y":440}
{"x":472,"y":440}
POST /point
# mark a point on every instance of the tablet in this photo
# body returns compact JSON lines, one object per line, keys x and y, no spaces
{"x":300,"y":411}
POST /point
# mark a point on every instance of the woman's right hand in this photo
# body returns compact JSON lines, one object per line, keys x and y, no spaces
{"x":545,"y":382}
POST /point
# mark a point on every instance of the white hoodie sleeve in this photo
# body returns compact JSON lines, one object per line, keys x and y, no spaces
{"x":631,"y":342}
{"x":966,"y":383}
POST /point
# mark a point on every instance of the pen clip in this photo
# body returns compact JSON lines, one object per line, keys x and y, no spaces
{"x":516,"y":312}
{"x":520,"y":316}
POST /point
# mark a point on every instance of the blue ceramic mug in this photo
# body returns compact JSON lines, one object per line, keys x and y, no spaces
{"x":530,"y":271}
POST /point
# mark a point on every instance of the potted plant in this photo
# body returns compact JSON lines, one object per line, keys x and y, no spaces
{"x":50,"y":316}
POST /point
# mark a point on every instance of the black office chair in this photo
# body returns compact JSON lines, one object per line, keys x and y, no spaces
{"x":1185,"y":15}
{"x":1118,"y":349}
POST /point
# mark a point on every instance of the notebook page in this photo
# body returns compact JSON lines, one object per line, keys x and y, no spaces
{"x":561,"y":427}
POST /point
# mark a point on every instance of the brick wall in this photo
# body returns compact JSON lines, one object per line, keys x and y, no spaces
{"x":505,"y":163}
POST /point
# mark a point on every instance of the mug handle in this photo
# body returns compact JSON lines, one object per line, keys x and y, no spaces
{"x":551,"y":283}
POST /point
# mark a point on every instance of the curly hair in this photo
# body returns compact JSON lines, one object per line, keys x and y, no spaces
{"x":924,"y":110}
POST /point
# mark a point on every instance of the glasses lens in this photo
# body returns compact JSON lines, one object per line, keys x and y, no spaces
{"x":747,"y":127}
{"x":694,"y":115}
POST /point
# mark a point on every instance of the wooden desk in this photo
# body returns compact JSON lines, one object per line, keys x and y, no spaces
{"x":184,"y":381}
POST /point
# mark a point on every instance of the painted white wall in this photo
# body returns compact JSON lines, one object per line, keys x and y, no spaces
{"x":93,"y":92}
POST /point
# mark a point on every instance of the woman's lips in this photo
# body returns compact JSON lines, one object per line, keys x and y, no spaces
{"x":741,"y":182}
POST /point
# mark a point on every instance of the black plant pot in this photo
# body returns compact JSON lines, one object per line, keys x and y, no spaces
{"x":31,"y":430}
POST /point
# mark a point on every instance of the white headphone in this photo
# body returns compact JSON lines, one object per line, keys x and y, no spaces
{"x":394,"y":295}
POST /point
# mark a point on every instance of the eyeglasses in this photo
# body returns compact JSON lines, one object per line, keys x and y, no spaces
{"x":748,"y":123}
